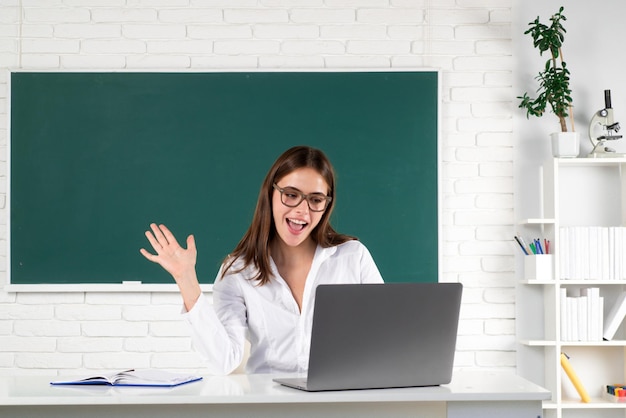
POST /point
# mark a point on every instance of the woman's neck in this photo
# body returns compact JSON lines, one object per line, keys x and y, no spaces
{"x":284,"y":255}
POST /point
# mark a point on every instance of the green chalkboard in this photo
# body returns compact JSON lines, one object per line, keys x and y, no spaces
{"x":95,"y":157}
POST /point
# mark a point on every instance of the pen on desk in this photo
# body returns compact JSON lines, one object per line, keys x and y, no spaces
{"x":521,"y":246}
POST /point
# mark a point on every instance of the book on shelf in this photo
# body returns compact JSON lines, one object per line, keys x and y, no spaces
{"x":615,"y":317}
{"x":592,"y":253}
{"x":573,"y":377}
{"x":595,"y":312}
{"x":581,"y":314}
{"x":132,"y":377}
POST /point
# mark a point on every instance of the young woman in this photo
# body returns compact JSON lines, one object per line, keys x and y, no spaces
{"x":265,"y":289}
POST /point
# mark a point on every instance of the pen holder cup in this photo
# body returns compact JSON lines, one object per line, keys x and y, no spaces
{"x":539,"y":267}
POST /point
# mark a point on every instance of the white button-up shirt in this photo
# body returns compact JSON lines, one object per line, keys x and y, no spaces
{"x":268,"y":315}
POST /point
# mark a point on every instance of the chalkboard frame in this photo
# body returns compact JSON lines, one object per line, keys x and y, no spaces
{"x":163,"y":284}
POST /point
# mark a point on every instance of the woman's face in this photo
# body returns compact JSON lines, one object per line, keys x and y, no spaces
{"x":294,"y":224}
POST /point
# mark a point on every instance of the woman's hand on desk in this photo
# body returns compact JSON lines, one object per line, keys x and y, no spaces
{"x":176,"y":260}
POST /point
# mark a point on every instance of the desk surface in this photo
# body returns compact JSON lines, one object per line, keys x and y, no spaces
{"x":260,"y":389}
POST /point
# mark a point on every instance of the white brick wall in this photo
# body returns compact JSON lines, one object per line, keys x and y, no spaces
{"x":469,"y":40}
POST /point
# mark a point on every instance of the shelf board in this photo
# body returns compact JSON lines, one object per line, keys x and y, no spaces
{"x":589,"y":162}
{"x":566,"y":282}
{"x":536,"y":221}
{"x":612,"y":343}
{"x":537,"y":282}
{"x":590,"y":282}
{"x":596,"y":403}
{"x":553,"y":343}
{"x":538,"y":343}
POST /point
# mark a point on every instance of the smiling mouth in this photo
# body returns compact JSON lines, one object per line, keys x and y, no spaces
{"x":296,"y":224}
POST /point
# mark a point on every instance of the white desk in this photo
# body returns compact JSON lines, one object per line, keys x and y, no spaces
{"x":470,"y":394}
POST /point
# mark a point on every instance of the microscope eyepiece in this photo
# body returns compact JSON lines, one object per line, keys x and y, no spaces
{"x":607,"y":99}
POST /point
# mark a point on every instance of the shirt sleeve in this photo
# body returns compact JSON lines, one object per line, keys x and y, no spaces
{"x":218,"y":330}
{"x":369,"y":270}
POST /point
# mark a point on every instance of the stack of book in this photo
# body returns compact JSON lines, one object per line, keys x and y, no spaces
{"x":582,"y":317}
{"x":592,"y":252}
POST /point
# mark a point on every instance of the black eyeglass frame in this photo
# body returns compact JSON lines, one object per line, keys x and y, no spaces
{"x":303,"y":196}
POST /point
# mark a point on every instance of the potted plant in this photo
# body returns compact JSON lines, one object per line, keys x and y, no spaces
{"x":554,"y":79}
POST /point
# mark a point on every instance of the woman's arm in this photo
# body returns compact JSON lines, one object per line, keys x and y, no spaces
{"x":219,"y":335}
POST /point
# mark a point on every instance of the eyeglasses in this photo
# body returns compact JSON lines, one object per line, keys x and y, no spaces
{"x":292,"y":197}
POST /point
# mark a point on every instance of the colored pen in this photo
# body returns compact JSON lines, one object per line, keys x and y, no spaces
{"x":524,"y":244}
{"x":521,"y":246}
{"x":547,"y":242}
{"x":538,"y":245}
{"x":532,"y":248}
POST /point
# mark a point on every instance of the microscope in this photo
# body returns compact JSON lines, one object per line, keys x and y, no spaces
{"x":603,"y":128}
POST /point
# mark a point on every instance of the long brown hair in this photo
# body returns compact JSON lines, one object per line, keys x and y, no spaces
{"x":254,"y":246}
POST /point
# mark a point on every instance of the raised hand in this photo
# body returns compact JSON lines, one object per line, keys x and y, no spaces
{"x":176,"y":260}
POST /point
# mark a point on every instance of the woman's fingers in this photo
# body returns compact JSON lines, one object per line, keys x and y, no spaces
{"x":161,"y":238}
{"x":167,"y":235}
{"x":165,"y":244}
{"x":153,"y":241}
{"x":158,"y":234}
{"x":149,"y":256}
{"x":191,"y":244}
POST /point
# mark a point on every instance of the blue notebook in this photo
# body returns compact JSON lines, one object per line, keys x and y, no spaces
{"x":132,"y":377}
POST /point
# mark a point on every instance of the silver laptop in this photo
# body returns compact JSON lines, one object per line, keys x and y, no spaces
{"x":371,"y":336}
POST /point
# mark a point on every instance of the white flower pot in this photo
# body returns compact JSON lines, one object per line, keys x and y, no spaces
{"x":565,"y":144}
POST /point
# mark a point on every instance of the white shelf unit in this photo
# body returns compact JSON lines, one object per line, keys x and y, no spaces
{"x":576,"y":192}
